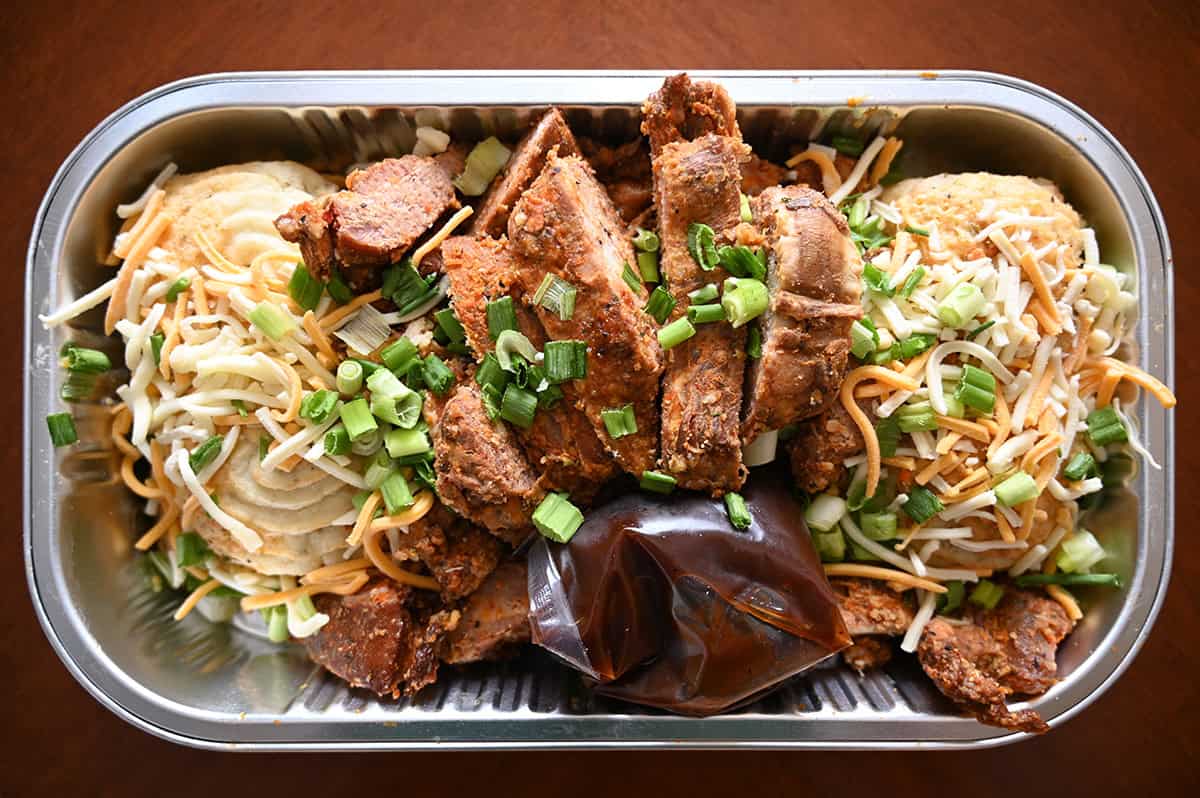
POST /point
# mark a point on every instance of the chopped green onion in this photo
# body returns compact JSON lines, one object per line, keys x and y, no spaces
{"x":701,"y":244}
{"x":848,"y":145}
{"x":318,"y":406}
{"x":397,"y":356}
{"x":379,"y":468}
{"x":190,"y":549}
{"x":437,"y":375}
{"x":356,"y":415}
{"x":1105,"y":427}
{"x":88,"y":361}
{"x":337,"y":440}
{"x":62,"y":429}
{"x":675,"y":333}
{"x":1081,"y":466}
{"x":744,"y":299}
{"x":156,"y":344}
{"x":565,"y":360}
{"x":976,"y":389}
{"x":869,"y":235}
{"x":303,"y":288}
{"x":739,"y":513}
{"x":1017,"y":489}
{"x":858,"y":212}
{"x":338,"y":289}
{"x":952,"y":599}
{"x":916,"y":231}
{"x":619,"y":421}
{"x":450,"y":325}
{"x":177,"y":288}
{"x":657,"y":482}
{"x":830,"y":546}
{"x":264,"y":446}
{"x":205,"y":453}
{"x":954,"y":408}
{"x":277,"y":626}
{"x":490,"y":373}
{"x":1079,"y":552}
{"x":876,"y":279}
{"x":904,"y":350}
{"x":754,"y":343}
{"x":824,"y":512}
{"x":706,"y":293}
{"x":740,"y":261}
{"x":407,"y":289}
{"x":887,"y":430}
{"x":557,"y":296}
{"x":501,"y":316}
{"x":916,"y":417}
{"x":879,"y":526}
{"x":660,"y":304}
{"x":240,"y":407}
{"x":491,"y":396}
{"x":971,"y":335}
{"x":744,"y":211}
{"x":484,"y":162}
{"x":922,"y":504}
{"x":631,"y":278}
{"x":557,"y":518}
{"x":518,"y":406}
{"x":396,"y":494}
{"x":705,"y":314}
{"x":646,"y":240}
{"x":961,"y":305}
{"x":1079,"y":580}
{"x":405,"y":442}
{"x":862,"y":340}
{"x":912,"y":282}
{"x":384,"y":383}
{"x":349,"y":377}
{"x":648,"y":267}
{"x":273,"y":322}
{"x":509,"y":345}
{"x":986,"y":594}
{"x":78,"y":385}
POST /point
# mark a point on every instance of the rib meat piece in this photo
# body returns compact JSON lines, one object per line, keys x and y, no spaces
{"x":697,"y":182}
{"x":566,"y":225}
{"x":561,"y":445}
{"x":481,"y":473}
{"x":523,"y":167}
{"x":867,"y":653}
{"x":1009,"y":650}
{"x":458,"y":554}
{"x":624,"y":171}
{"x":821,"y":445}
{"x":813,"y":273}
{"x":759,"y":174}
{"x":683,"y":110}
{"x":383,"y":638}
{"x":871,"y":608}
{"x":384,"y":209}
{"x":495,"y":619}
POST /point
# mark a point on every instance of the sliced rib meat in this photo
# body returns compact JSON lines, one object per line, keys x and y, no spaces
{"x":384,"y":209}
{"x":684,"y":109}
{"x":759,"y":174}
{"x":526,"y":163}
{"x":495,"y":619}
{"x":813,"y":273}
{"x":384,"y":638}
{"x":481,"y":473}
{"x":458,"y":554}
{"x":869,"y":607}
{"x":566,"y":225}
{"x":624,"y":171}
{"x":1009,"y":650}
{"x":821,"y":445}
{"x":697,"y":182}
{"x":561,"y":445}
{"x":868,"y":653}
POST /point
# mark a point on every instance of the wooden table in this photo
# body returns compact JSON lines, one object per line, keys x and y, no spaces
{"x":1134,"y":68}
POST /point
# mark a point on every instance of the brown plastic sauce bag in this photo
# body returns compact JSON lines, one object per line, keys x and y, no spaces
{"x":662,"y":602}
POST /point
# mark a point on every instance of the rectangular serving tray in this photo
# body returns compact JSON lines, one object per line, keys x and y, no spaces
{"x":217,"y":686}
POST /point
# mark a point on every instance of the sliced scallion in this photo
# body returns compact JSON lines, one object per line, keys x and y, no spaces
{"x":501,"y":316}
{"x":744,"y":211}
{"x":437,"y":375}
{"x":491,"y":373}
{"x":88,"y":361}
{"x":205,"y":453}
{"x":922,"y":504}
{"x":1105,"y":427}
{"x":962,"y":304}
{"x":304,"y":289}
{"x":557,"y":518}
{"x":704,"y":294}
{"x":701,"y":244}
{"x":450,"y":325}
{"x":675,"y":333}
{"x":190,"y":549}
{"x":156,"y":344}
{"x":1081,"y":466}
{"x":399,"y":354}
{"x":62,"y":429}
{"x":987,"y":594}
{"x":318,"y":406}
{"x":887,"y":430}
{"x":1070,"y":580}
{"x":518,"y":406}
{"x":396,"y":494}
{"x":178,"y":287}
{"x":565,"y":360}
{"x":619,"y":421}
{"x":356,"y":416}
{"x":739,"y":513}
{"x":754,"y":343}
{"x":646,"y":240}
{"x":660,"y":304}
{"x":648,"y":267}
{"x":337,"y":440}
{"x":740,"y":261}
{"x":744,"y":299}
{"x":510,"y":345}
{"x":338,"y":289}
{"x":273,"y":322}
{"x":657,"y":482}
{"x":631,"y":278}
{"x":706,"y":314}
{"x":483,"y":163}
{"x":405,"y":442}
{"x":349,"y":377}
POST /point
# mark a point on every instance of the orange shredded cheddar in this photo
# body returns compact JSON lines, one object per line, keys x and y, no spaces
{"x":116,"y":304}
{"x":846,"y":395}
{"x":883,"y":162}
{"x":388,"y":566}
{"x":884,"y":574}
{"x":831,"y":181}
{"x":969,"y":429}
{"x":329,"y":320}
{"x":1034,"y":273}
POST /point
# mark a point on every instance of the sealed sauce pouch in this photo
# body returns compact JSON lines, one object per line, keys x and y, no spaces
{"x":661,"y":601}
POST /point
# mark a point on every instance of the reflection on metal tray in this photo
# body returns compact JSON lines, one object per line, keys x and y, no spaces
{"x":218,"y":686}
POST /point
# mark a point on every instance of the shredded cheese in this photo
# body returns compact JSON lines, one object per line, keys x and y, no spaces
{"x":193,"y":599}
{"x":441,"y":235}
{"x":882,"y":574}
{"x":388,"y":566}
{"x":860,"y":418}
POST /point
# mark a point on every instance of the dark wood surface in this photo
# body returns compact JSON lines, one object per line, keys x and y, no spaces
{"x":1133,"y":66}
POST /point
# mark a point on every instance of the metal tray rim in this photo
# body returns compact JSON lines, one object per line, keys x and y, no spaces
{"x":299,"y":80}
